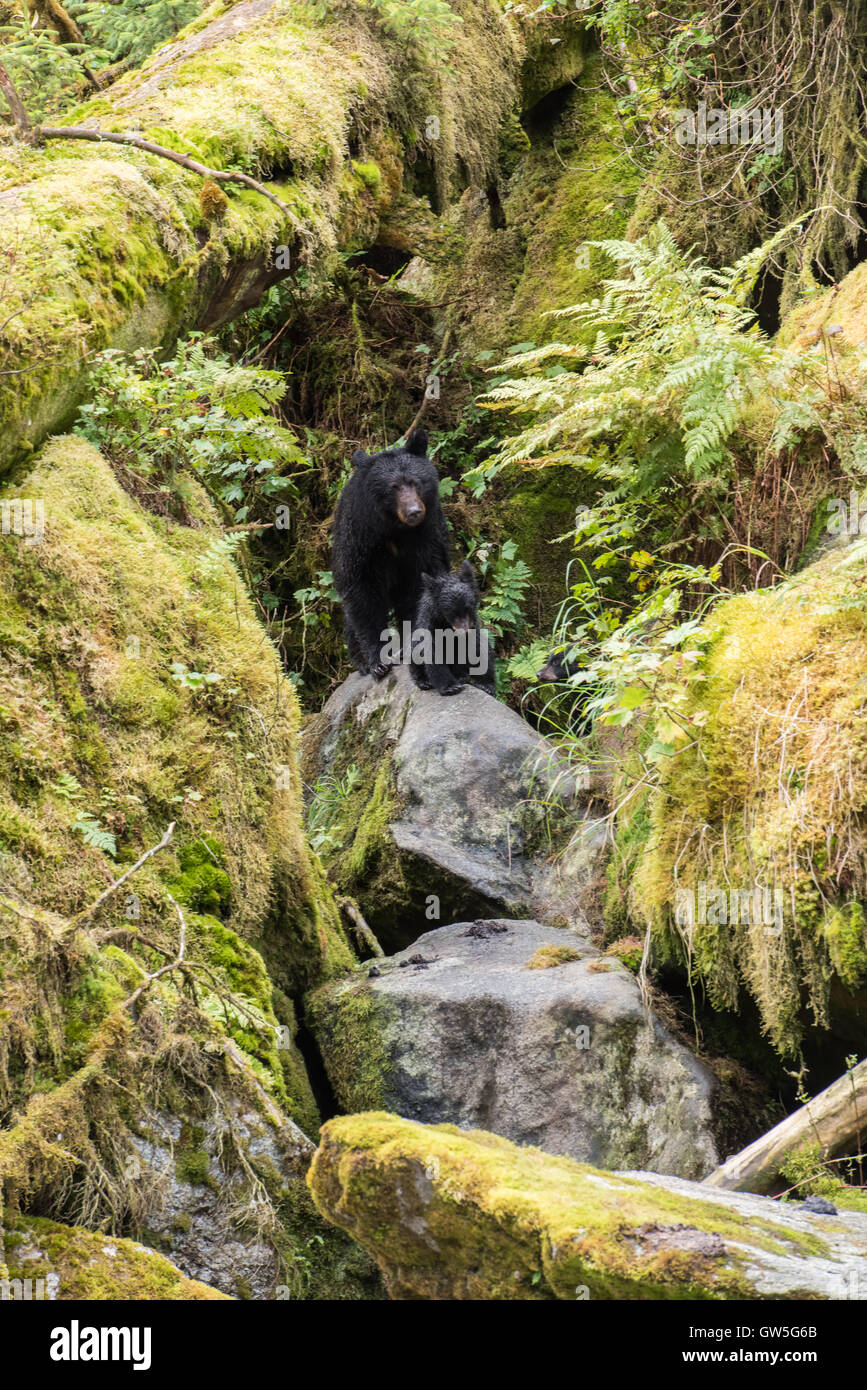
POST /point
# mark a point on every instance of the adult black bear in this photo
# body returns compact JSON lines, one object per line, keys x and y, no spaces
{"x":448,"y":646}
{"x":389,"y":529}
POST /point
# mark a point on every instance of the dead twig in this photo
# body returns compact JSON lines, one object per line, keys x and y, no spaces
{"x":350,"y":910}
{"x":72,"y":132}
{"x":164,"y":969}
{"x":87,"y":911}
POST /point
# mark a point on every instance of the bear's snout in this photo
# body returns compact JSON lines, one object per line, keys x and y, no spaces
{"x":410,"y":508}
{"x":462,"y":624}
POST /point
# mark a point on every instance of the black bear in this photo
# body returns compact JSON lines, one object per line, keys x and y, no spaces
{"x":448,"y":646}
{"x":389,"y":529}
{"x":559,"y":667}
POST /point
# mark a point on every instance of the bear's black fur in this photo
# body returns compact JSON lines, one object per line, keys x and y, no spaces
{"x":449,"y":604}
{"x":559,"y":667}
{"x":389,"y":529}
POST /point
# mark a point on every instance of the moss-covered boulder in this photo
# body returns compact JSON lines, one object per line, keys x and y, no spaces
{"x":153,"y":1010}
{"x":106,"y":246}
{"x":432,"y":810}
{"x":44,"y":1260}
{"x":749,"y":855}
{"x":454,"y":1214}
{"x":523,"y":1029}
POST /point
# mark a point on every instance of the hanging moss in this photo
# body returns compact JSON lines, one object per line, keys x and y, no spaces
{"x":772,"y":795}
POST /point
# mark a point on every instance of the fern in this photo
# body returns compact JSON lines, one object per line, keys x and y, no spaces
{"x":670,"y":362}
{"x":95,"y":834}
{"x":198,"y":411}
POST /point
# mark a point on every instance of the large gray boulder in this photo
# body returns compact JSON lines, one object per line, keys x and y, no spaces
{"x":523,"y":1030}
{"x":457,"y":808}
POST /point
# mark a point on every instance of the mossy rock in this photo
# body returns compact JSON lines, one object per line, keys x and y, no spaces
{"x":771,"y":801}
{"x":457,"y":1214}
{"x":116,"y":248}
{"x":69,"y":1263}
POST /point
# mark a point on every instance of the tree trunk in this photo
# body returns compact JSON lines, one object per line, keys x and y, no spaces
{"x":834,"y":1120}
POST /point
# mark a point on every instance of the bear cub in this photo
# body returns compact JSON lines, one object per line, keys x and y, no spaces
{"x":389,"y":530}
{"x":449,"y":648}
{"x":559,"y":667}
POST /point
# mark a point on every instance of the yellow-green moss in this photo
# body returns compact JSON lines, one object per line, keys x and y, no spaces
{"x":114,"y":247}
{"x":94,"y":1267}
{"x":450,"y":1213}
{"x":343,"y":1019}
{"x":773,"y":792}
{"x":549,"y":956}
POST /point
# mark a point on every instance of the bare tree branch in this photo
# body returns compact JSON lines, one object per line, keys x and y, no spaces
{"x":86,"y":912}
{"x":831,"y":1121}
{"x":35,"y":133}
{"x":46,"y":132}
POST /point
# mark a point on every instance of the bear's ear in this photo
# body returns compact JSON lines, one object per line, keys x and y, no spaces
{"x":360,"y":457}
{"x":417,"y":443}
{"x":467,"y":573}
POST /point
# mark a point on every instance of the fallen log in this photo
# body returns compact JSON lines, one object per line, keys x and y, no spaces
{"x":105,"y":240}
{"x":833,"y":1120}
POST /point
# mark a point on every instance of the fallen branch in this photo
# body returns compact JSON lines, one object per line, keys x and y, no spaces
{"x":350,"y":909}
{"x":833,"y":1120}
{"x":164,"y":969}
{"x":33,"y":134}
{"x":74,"y":132}
{"x":86,"y":912}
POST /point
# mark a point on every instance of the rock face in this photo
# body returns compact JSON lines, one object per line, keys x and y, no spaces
{"x":524,"y":1030}
{"x":455,"y":1215}
{"x":459,"y":799}
{"x":197,"y":1204}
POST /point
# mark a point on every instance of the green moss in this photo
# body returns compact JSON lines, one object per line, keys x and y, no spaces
{"x":766,"y":797}
{"x":192,"y":1166}
{"x":370,"y":175}
{"x":534,"y":509}
{"x":846,"y":937}
{"x":93,"y":1267}
{"x":557,"y":197}
{"x":109,"y":247}
{"x":75,"y":1061}
{"x":549,"y":956}
{"x":203,"y":885}
{"x":451,"y":1213}
{"x":343,"y":1017}
{"x":19,"y":832}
